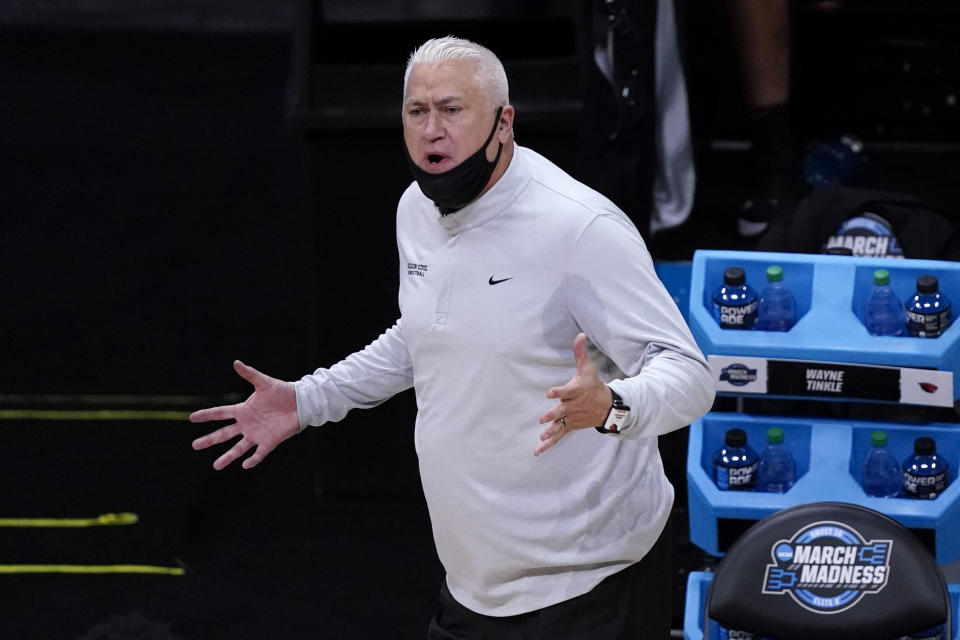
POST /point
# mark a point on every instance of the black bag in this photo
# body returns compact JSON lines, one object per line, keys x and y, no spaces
{"x":865,"y":222}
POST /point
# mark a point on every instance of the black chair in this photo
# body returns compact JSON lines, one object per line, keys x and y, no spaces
{"x":828,"y":570}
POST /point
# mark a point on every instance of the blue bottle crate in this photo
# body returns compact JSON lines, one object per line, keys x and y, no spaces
{"x":695,"y":604}
{"x":829,"y":454}
{"x":831,"y":294}
{"x":675,"y":277}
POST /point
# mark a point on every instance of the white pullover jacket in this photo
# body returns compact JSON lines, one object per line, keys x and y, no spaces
{"x":491,"y":299}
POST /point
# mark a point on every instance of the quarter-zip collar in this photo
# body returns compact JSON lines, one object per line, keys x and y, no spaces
{"x":492,"y":203}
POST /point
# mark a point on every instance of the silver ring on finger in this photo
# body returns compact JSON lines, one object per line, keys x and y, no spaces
{"x":563,"y":423}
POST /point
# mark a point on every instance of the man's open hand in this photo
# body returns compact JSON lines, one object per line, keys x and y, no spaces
{"x":264,"y":420}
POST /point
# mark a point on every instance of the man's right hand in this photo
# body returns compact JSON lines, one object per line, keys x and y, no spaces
{"x":265,"y":419}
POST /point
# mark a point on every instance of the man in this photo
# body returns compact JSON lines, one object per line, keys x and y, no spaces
{"x":522,"y":293}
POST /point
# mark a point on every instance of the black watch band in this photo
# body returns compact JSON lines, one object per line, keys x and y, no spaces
{"x":616,"y":421}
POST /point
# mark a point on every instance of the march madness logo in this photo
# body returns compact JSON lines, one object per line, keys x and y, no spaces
{"x":866,"y":235}
{"x":738,"y":374}
{"x":827,"y":567}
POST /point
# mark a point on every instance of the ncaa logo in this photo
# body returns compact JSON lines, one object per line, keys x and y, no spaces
{"x":738,"y":374}
{"x":828,"y":567}
{"x":783,"y":553}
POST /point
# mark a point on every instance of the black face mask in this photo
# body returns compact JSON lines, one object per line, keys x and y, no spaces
{"x":454,"y":189}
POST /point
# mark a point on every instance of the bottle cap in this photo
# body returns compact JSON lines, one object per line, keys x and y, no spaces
{"x":852,"y":142}
{"x":774,"y":435}
{"x":736,"y":438}
{"x":927,"y":284}
{"x":924,"y":446}
{"x":774,"y":273}
{"x":734,"y":277}
{"x":878,"y":438}
{"x":881,"y":277}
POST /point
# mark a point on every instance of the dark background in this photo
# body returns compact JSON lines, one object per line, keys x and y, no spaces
{"x":186,"y":183}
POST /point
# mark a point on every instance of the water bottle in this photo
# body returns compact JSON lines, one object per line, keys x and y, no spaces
{"x":880,"y":472}
{"x":928,"y":311}
{"x":925,"y":472}
{"x":884,"y":311}
{"x":735,"y":303}
{"x":735,"y":464}
{"x":776,"y":310}
{"x":777,"y":470}
{"x":834,"y":162}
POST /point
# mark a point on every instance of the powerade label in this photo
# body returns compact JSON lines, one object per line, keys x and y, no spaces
{"x":741,"y":317}
{"x":734,"y":634}
{"x":924,"y":487}
{"x":928,"y":325}
{"x":828,"y":567}
{"x":866,"y":235}
{"x":737,"y":478}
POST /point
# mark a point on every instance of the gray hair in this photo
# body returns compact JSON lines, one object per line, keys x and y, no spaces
{"x":489,"y":73}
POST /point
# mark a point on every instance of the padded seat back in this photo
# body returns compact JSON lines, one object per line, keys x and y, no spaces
{"x":828,"y":570}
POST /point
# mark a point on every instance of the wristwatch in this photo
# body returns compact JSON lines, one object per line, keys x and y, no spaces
{"x":617,"y":416}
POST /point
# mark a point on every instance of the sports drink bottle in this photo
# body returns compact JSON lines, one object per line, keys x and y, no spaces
{"x":925,"y":472}
{"x":928,"y":311}
{"x":833,"y":162}
{"x":735,"y":302}
{"x":735,"y":464}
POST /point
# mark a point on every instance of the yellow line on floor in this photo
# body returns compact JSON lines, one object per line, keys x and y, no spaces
{"x":91,"y":569}
{"x":34,"y":399}
{"x":104,"y":520}
{"x":93,"y":414}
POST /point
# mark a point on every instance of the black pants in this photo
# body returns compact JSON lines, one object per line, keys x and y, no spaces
{"x":633,"y":604}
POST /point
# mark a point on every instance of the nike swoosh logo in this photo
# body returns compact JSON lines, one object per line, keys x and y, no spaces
{"x":492,"y":281}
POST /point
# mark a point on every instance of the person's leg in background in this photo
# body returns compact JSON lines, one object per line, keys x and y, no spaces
{"x":761,"y":31}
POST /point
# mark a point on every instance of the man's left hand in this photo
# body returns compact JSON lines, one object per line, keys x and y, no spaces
{"x":583,"y":403}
